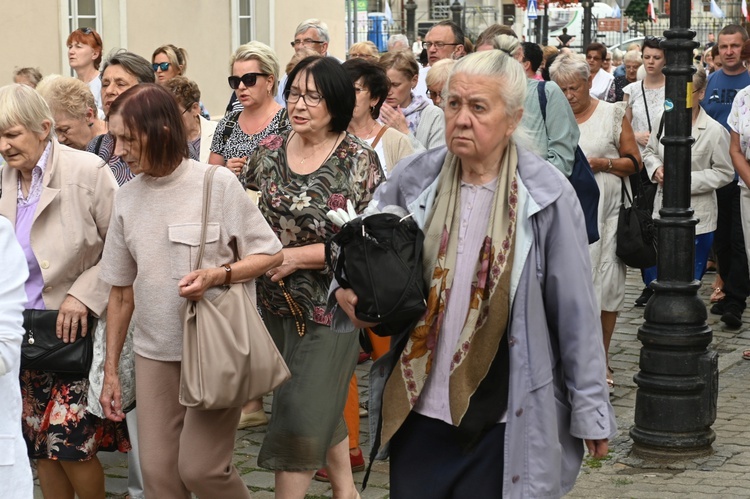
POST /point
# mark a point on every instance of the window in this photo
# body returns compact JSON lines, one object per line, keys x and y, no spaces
{"x":243,"y":22}
{"x":84,"y":14}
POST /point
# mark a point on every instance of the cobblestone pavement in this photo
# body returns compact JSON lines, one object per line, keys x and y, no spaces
{"x":725,"y":473}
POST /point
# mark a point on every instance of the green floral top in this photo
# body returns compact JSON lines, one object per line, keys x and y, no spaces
{"x":295,"y":207}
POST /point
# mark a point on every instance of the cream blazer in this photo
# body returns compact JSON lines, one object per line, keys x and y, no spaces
{"x":69,"y":225}
{"x":208,"y":128}
{"x":710,"y":168}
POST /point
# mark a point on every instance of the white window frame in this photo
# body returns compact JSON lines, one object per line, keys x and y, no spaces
{"x":69,"y":21}
{"x":236,"y":18}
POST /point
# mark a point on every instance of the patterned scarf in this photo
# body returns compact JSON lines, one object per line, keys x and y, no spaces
{"x":481,"y":353}
{"x":413,"y":112}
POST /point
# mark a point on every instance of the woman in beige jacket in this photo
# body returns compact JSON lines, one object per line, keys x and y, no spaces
{"x":59,"y":200}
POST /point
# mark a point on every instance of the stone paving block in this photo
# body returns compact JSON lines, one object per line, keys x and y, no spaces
{"x":259,"y":479}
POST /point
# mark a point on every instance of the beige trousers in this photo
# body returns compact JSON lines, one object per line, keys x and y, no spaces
{"x":182,"y":450}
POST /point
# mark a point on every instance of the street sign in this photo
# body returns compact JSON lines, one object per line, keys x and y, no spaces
{"x":531,"y":10}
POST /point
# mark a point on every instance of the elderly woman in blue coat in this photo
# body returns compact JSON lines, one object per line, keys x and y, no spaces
{"x":499,"y":384}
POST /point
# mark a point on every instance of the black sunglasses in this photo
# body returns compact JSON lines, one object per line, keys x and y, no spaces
{"x":85,"y":31}
{"x":247,"y":79}
{"x":161,"y":65}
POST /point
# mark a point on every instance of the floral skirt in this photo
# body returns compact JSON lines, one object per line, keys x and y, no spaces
{"x":55,"y":422}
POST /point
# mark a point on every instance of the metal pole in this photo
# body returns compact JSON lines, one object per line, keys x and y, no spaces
{"x":410,"y":7}
{"x":356,"y":20}
{"x":586,"y":23}
{"x":545,"y":24}
{"x":675,"y":403}
{"x":456,"y":10}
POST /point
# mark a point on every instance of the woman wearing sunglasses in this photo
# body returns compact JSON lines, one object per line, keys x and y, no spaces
{"x":255,"y":71}
{"x":85,"y":56}
{"x":169,"y":61}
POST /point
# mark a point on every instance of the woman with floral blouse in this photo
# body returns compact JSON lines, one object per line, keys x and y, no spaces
{"x":301,"y":175}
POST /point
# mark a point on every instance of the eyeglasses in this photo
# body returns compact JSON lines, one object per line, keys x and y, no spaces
{"x":438,"y":45}
{"x":85,"y":31}
{"x":306,"y":41}
{"x":247,"y":79}
{"x":162,"y":65}
{"x":432,"y":94}
{"x":311,"y":100}
{"x":188,"y":108}
{"x":652,"y":42}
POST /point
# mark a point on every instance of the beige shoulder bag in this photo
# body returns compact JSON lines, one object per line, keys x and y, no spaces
{"x":228,"y":357}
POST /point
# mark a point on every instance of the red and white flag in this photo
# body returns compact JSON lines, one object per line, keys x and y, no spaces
{"x":744,"y":10}
{"x":652,"y":12}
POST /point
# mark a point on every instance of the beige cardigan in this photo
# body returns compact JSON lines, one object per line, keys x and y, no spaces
{"x":70,"y":224}
{"x":396,"y":147}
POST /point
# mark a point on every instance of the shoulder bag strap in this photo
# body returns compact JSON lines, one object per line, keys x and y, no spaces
{"x":229,"y":126}
{"x":208,"y":181}
{"x":661,"y":128}
{"x":98,"y":146}
{"x":377,"y":137}
{"x":648,"y":117}
{"x":542,"y":99}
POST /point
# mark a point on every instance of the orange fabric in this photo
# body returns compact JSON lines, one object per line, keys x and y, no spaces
{"x":351,"y":413}
{"x":380,"y":344}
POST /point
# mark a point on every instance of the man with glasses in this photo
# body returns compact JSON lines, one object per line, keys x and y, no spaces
{"x":602,"y":82}
{"x":729,"y":243}
{"x":312,"y":34}
{"x":445,"y":40}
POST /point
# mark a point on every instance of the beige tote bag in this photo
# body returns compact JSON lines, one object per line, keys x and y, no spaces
{"x":228,"y":357}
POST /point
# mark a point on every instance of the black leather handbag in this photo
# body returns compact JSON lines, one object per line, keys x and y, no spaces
{"x":380,"y":258}
{"x":42,"y":350}
{"x":636,"y":232}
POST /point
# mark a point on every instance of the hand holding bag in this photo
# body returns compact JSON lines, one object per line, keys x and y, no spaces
{"x":42,"y":350}
{"x":636,"y":233}
{"x":228,"y":357}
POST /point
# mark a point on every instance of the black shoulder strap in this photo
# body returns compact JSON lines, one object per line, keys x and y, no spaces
{"x":661,"y":128}
{"x":542,"y":99}
{"x":229,"y":126}
{"x":98,"y":145}
{"x":645,"y":104}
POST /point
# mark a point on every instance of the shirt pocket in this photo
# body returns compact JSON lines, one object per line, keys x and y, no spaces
{"x":8,"y":444}
{"x":185,"y":241}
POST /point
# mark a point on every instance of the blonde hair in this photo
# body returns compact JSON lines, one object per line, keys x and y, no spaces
{"x":508,"y":44}
{"x":400,"y":60}
{"x":177,"y":56}
{"x":439,"y":72}
{"x":257,"y":51}
{"x":699,"y":79}
{"x":367,"y":47}
{"x":22,"y":105}
{"x":66,"y":95}
{"x":32,"y":74}
{"x":570,"y":66}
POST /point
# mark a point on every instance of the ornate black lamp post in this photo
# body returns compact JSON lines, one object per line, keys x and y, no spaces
{"x":586,"y":4}
{"x":456,"y":9}
{"x":675,"y":403}
{"x":411,"y":8}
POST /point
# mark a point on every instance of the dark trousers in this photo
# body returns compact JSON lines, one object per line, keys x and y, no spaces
{"x":428,"y":460}
{"x":729,"y":246}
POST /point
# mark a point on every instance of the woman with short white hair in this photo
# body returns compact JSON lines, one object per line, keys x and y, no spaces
{"x":503,"y":366}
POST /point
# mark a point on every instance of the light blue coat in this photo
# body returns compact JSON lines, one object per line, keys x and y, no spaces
{"x":558,"y":394}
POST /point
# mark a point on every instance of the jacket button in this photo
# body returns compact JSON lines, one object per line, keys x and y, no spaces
{"x":44,"y":264}
{"x":515,"y":478}
{"x":519,"y":412}
{"x":512,"y":341}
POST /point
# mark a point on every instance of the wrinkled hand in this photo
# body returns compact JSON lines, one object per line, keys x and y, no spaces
{"x":394,"y":118}
{"x":288,"y":267}
{"x":195,"y":284}
{"x":340,"y":217}
{"x":658,"y":175}
{"x":642,"y":138}
{"x":235,"y":164}
{"x":72,"y":315}
{"x":597,"y":448}
{"x":347,"y":300}
{"x":111,"y":398}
